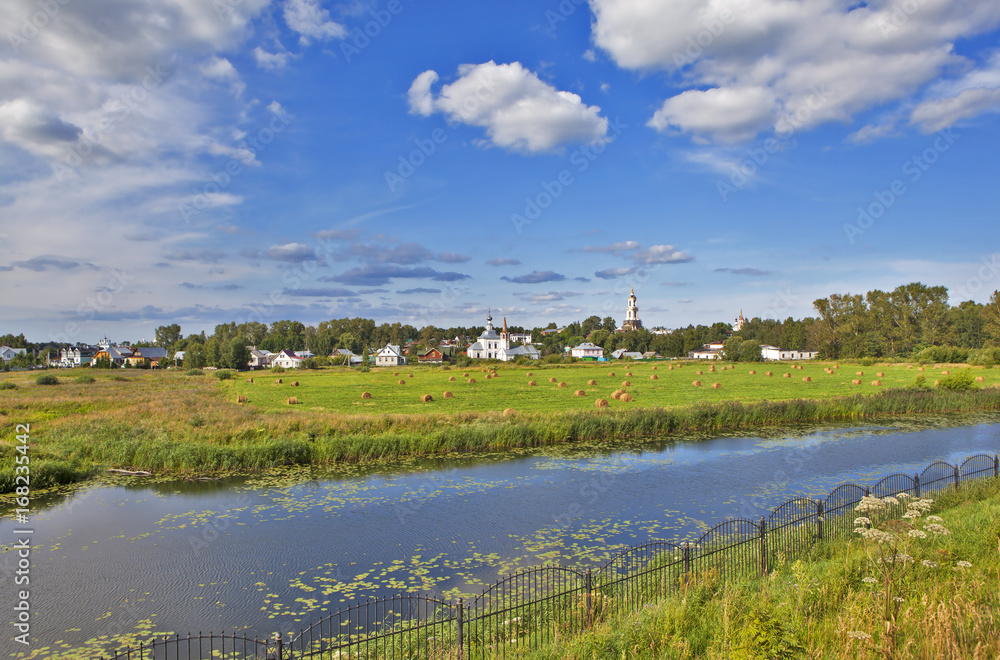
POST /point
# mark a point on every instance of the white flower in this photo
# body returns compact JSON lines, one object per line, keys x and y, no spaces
{"x":917,"y":534}
{"x":897,"y":599}
{"x":961,"y":563}
{"x":934,"y":519}
{"x":857,"y":634}
{"x":862,"y":521}
{"x":869,"y":503}
{"x":935,"y":528}
{"x":890,"y":500}
{"x":903,"y":496}
{"x":870,"y":580}
{"x":876,"y":535}
{"x":929,"y":564}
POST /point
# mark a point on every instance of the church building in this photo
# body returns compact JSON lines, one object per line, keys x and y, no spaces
{"x":493,"y":346}
{"x":632,"y":321}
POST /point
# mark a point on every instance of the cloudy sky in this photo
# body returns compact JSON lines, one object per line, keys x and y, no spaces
{"x":199,"y":161}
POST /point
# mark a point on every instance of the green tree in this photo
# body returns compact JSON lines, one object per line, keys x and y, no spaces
{"x":991,"y":319}
{"x":168,"y":335}
{"x":238,"y":355}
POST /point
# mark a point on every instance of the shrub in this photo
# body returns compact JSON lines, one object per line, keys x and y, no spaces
{"x":225,"y":374}
{"x":8,"y":385}
{"x":194,"y":372}
{"x":962,"y":380}
{"x":85,"y":378}
{"x":119,"y":378}
{"x":46,"y":379}
{"x":278,"y":370}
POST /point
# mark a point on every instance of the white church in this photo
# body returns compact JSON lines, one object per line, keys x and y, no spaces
{"x":493,"y":346}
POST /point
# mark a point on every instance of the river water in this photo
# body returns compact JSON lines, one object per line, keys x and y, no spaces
{"x":274,"y":552}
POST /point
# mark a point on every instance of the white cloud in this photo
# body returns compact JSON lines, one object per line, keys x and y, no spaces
{"x":518,"y":110}
{"x":311,"y":21}
{"x":976,"y":92}
{"x":266,"y":60}
{"x":222,"y":70}
{"x":661,"y":254}
{"x":776,"y":65}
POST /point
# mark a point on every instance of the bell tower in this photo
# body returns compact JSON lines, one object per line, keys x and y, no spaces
{"x":632,"y":321}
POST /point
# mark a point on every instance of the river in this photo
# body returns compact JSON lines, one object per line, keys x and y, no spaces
{"x":274,"y":552}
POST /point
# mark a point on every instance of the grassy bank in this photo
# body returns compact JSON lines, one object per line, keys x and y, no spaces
{"x":174,"y":422}
{"x":821,"y":606}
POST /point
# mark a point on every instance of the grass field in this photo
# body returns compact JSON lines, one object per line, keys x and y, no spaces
{"x":171,"y":421}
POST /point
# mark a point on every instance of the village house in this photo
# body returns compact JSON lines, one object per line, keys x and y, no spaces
{"x":711,"y":351}
{"x":286,"y":359}
{"x":7,"y":353}
{"x":155,"y":354}
{"x":80,"y":355}
{"x":345,"y":356}
{"x":769,"y":352}
{"x":587,"y":351}
{"x":390,"y":356}
{"x":430,"y":355}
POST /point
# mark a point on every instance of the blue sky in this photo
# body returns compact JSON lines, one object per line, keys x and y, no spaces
{"x":202,"y":162}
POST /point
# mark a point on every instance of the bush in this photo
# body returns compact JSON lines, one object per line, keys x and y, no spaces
{"x":278,"y":370}
{"x":225,"y":374}
{"x":46,"y":379}
{"x":194,"y":372}
{"x":962,"y":380}
{"x":8,"y":385}
{"x":119,"y":378}
{"x":85,"y":378}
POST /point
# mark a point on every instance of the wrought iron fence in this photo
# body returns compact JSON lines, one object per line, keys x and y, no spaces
{"x":536,"y":606}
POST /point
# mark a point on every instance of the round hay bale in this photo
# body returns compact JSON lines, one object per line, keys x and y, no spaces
{"x":294,"y":383}
{"x":611,"y":374}
{"x":292,"y":400}
{"x":909,"y":366}
{"x":601,"y":403}
{"x":562,"y":384}
{"x":716,"y":386}
{"x":401,"y":382}
{"x":366,"y":395}
{"x":699,"y":373}
{"x":465,"y":375}
{"x":532,"y":383}
{"x":920,"y":368}
{"x":277,"y":381}
{"x":626,"y":397}
{"x":628,"y":374}
{"x":451,"y":379}
{"x":769,"y":373}
{"x":489,"y":376}
{"x":579,"y":393}
{"x":529,"y":374}
{"x":654,"y":367}
{"x":880,"y":374}
{"x":249,"y":380}
{"x":860,"y":374}
{"x":626,"y":383}
{"x":786,"y":375}
{"x":553,"y":380}
{"x":753,"y":372}
{"x":241,"y":398}
{"x":945,"y":372}
{"x":509,"y":412}
{"x":806,"y":379}
{"x":876,"y":383}
{"x":485,"y":370}
{"x":591,"y":382}
{"x":671,"y":367}
{"x":711,"y":369}
{"x":980,"y":379}
{"x":472,"y":381}
{"x":409,"y":375}
{"x":617,"y":394}
{"x":856,"y":381}
{"x":654,"y":377}
{"x":696,"y":383}
{"x":426,"y":398}
{"x":395,"y":373}
{"x":447,"y":395}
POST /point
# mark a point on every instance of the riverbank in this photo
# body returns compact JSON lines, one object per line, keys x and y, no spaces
{"x":172,"y":422}
{"x":822,"y":606}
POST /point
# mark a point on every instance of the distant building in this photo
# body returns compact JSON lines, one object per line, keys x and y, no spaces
{"x":493,"y":346}
{"x":711,"y":351}
{"x":632,"y":321}
{"x":587,"y":351}
{"x":769,"y":352}
{"x":739,"y":323}
{"x":390,"y":356}
{"x":286,"y":359}
{"x":7,"y":353}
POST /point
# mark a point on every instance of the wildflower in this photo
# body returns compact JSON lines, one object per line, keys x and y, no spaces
{"x":869,"y":503}
{"x":929,"y":564}
{"x":890,"y":500}
{"x":903,"y":496}
{"x":897,"y":599}
{"x":857,"y":634}
{"x":934,"y":519}
{"x":870,"y":580}
{"x":935,"y":528}
{"x":917,"y":534}
{"x":862,"y":521}
{"x":961,"y":563}
{"x":876,"y":535}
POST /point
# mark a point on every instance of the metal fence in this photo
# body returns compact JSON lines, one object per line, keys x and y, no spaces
{"x":533,"y":607}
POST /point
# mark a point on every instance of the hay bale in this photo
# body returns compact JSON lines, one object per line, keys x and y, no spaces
{"x":465,"y":375}
{"x":409,"y":375}
{"x":451,"y":379}
{"x":562,"y":384}
{"x":671,"y":367}
{"x":395,"y":373}
{"x":909,"y":366}
{"x":426,"y":398}
{"x":753,"y":372}
{"x":699,"y":373}
{"x":806,"y":379}
{"x":617,"y":394}
{"x":980,"y":379}
{"x":611,"y":374}
{"x":294,"y":383}
{"x":716,"y":386}
{"x":489,"y":376}
{"x":241,"y":398}
{"x":786,"y":375}
{"x":509,"y":412}
{"x":860,"y":374}
{"x":601,"y":403}
{"x":250,"y":380}
{"x":920,"y":368}
{"x":769,"y":373}
{"x":532,"y":383}
{"x":880,"y":374}
{"x":945,"y":372}
{"x":696,"y":383}
{"x":626,"y":383}
{"x":654,"y":377}
{"x":472,"y":381}
{"x":711,"y":369}
{"x":579,"y":393}
{"x":654,"y":367}
{"x":625,"y":397}
{"x":277,"y":381}
{"x":401,"y":382}
{"x":447,"y":395}
{"x":529,"y":374}
{"x":876,"y":383}
{"x":553,"y":379}
{"x":628,"y":374}
{"x":591,"y":382}
{"x":292,"y":400}
{"x":856,"y":381}
{"x":366,"y":395}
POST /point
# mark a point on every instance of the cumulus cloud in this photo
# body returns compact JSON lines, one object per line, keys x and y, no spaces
{"x":519,"y":111}
{"x":379,"y":274}
{"x":614,"y":248}
{"x":47,"y":262}
{"x":548,"y":298}
{"x":752,"y":272}
{"x":612,"y":273}
{"x":949,"y":102}
{"x":503,"y":262}
{"x":222,"y":70}
{"x":266,"y":60}
{"x":783,"y":66}
{"x":661,"y":254}
{"x":311,"y":21}
{"x":291,"y":252}
{"x":535,"y":277}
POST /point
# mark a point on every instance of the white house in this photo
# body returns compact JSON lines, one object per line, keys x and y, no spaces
{"x":587,"y":351}
{"x":390,"y":356}
{"x":286,"y":359}
{"x":774,"y":353}
{"x":259,"y":359}
{"x":7,"y":353}
{"x":77,"y":356}
{"x":711,"y":351}
{"x":493,"y":346}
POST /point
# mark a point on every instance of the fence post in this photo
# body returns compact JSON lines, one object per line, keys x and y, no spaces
{"x":586,"y":585}
{"x":687,"y":561}
{"x":996,"y":467}
{"x":763,"y":546}
{"x":819,"y":519}
{"x":916,"y":484}
{"x":460,"y":622}
{"x":280,"y":643}
{"x":956,"y":476}
{"x":868,"y":491}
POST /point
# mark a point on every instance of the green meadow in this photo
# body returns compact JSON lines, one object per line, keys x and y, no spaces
{"x":83,"y":421}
